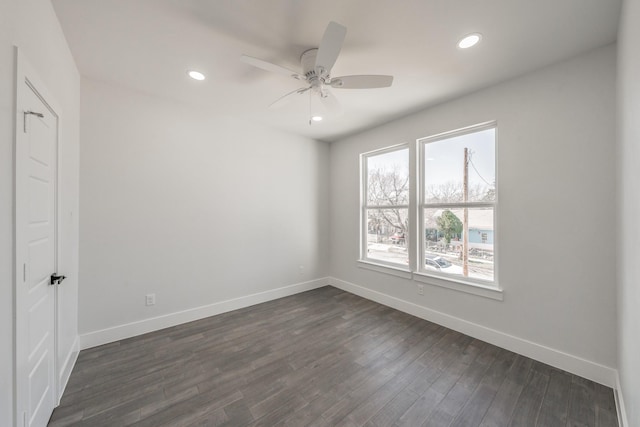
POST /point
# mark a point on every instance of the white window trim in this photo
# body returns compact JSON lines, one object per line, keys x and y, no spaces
{"x":393,"y":270}
{"x":364,"y":260}
{"x":488,"y":291}
{"x":415,"y":249}
{"x":474,"y":286}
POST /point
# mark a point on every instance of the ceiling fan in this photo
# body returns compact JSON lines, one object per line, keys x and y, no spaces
{"x":316,"y":71}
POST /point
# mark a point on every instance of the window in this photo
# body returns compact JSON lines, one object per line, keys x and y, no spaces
{"x":434,"y":222}
{"x":385,"y":206}
{"x":457,"y":204}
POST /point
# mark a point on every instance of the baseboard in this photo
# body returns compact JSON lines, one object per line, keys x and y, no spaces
{"x":567,"y":362}
{"x":116,"y":333}
{"x":67,"y":367}
{"x":622,"y":411}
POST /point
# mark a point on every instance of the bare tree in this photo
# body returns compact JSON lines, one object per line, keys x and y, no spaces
{"x":451,"y":192}
{"x":391,"y":188}
{"x":388,"y":188}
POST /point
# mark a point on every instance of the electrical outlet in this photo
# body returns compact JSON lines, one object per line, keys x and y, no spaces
{"x":301,"y":269}
{"x":150,"y":299}
{"x":420,"y":289}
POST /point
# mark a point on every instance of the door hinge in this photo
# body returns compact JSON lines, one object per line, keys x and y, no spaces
{"x":24,"y":117}
{"x":24,"y":272}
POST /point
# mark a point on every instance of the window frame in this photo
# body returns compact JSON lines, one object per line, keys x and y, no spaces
{"x":395,"y":268}
{"x":490,"y":285}
{"x":415,"y":270}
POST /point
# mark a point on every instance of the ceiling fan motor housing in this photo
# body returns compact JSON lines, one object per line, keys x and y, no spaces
{"x":308,"y":62}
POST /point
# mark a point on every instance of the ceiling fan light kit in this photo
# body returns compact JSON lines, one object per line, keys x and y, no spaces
{"x":316,"y":65}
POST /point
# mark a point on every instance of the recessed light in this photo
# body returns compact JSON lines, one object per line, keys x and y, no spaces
{"x":469,"y":40}
{"x":316,"y":118}
{"x":196,"y":75}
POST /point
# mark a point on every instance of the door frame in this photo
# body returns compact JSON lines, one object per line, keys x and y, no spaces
{"x":26,"y":74}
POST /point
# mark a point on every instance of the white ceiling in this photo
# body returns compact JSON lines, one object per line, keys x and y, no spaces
{"x":148,"y":45}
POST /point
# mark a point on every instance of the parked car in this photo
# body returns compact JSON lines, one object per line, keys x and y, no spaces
{"x":398,"y":238}
{"x":437,"y":263}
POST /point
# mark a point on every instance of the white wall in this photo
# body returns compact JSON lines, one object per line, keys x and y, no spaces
{"x":33,"y":26}
{"x":556,"y":168}
{"x":629,"y":208}
{"x":194,"y":207}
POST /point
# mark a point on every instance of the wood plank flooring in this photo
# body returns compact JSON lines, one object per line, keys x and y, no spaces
{"x":322,"y":358}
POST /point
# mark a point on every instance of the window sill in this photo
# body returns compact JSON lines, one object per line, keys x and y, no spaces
{"x":461,"y":286}
{"x":387,"y":269}
{"x":456,"y":285}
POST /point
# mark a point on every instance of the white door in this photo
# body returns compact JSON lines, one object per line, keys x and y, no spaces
{"x":36,"y":172}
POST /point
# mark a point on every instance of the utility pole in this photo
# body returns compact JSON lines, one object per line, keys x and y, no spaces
{"x":465,"y":218}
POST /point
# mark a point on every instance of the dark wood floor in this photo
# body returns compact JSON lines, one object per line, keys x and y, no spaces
{"x":322,"y":358}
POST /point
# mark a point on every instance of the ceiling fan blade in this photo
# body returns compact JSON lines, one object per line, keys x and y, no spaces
{"x":330,"y":102}
{"x":330,"y":45}
{"x":268,"y":66}
{"x":284,"y":99}
{"x":361,"y":82}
